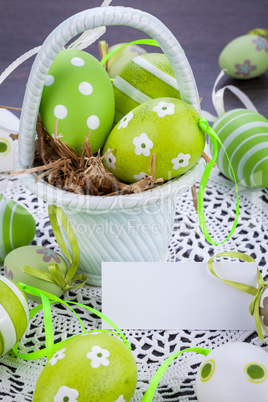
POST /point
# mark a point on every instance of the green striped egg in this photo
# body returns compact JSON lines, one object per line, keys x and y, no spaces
{"x":17,"y":226}
{"x":14,"y":314}
{"x":146,"y":77}
{"x":245,"y":137}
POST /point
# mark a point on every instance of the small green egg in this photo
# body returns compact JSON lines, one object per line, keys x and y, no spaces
{"x":245,"y":57}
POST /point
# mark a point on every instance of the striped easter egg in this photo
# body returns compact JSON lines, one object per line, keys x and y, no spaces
{"x":244,"y":135}
{"x":146,"y":77}
{"x":17,"y":226}
{"x":14,"y":314}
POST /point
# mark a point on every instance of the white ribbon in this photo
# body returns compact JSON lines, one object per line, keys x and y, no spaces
{"x":218,"y":99}
{"x":86,"y":39}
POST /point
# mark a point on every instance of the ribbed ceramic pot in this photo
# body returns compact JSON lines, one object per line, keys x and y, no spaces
{"x":135,"y":227}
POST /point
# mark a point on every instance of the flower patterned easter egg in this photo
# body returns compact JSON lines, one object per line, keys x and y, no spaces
{"x":146,"y":77}
{"x":233,"y":372}
{"x":14,"y":314}
{"x":78,"y":92}
{"x":264,"y":311}
{"x":17,"y":226}
{"x":245,"y":137}
{"x":245,"y":57}
{"x":166,"y":127}
{"x":37,"y":257}
{"x":121,"y":57}
{"x":92,"y":367}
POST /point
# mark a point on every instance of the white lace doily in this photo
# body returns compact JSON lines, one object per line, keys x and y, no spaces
{"x":150,"y":348}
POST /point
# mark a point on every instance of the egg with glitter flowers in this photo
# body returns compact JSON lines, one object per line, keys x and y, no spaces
{"x":17,"y":226}
{"x":244,"y":134}
{"x":233,"y":372}
{"x":165,"y":127}
{"x":79,"y":94}
{"x":89,"y":367}
{"x":245,"y":57}
{"x":39,"y":258}
{"x":14,"y":314}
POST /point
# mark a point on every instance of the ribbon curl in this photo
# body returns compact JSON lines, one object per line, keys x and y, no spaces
{"x":51,"y":347}
{"x":55,"y":275}
{"x":254,"y":307}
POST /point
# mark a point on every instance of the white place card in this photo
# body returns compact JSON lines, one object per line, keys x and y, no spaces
{"x":147,"y":295}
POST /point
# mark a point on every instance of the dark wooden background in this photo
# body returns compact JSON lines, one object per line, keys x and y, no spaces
{"x":203,"y":28}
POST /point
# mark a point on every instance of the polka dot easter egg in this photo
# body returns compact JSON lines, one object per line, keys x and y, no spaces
{"x":37,"y":257}
{"x":167,"y":127}
{"x":93,"y":367}
{"x":14,"y":314}
{"x":233,"y":372}
{"x":121,"y":57}
{"x":146,"y":77}
{"x":245,"y":57}
{"x":245,"y":137}
{"x":78,"y":93}
{"x":17,"y":226}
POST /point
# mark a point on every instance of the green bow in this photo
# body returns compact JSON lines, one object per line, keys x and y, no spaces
{"x":55,"y":275}
{"x":254,"y":307}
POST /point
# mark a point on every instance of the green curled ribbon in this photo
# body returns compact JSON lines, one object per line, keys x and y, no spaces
{"x":149,"y":394}
{"x":254,"y":307}
{"x":203,"y":124}
{"x":54,"y":275}
{"x":51,"y":347}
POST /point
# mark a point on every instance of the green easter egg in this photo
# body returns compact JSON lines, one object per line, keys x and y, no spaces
{"x":17,"y":226}
{"x":167,"y":127}
{"x":245,"y":137}
{"x":36,"y":257}
{"x":78,"y":92}
{"x":91,"y":367}
{"x":121,"y":57}
{"x":245,"y":57}
{"x":146,"y":77}
{"x":235,"y":371}
{"x":14,"y":314}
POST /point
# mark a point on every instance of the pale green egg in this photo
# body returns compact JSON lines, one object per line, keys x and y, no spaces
{"x":17,"y":226}
{"x":37,"y":257}
{"x":78,"y":93}
{"x":91,"y":367}
{"x":146,"y":77}
{"x":245,"y":57}
{"x":166,"y":127}
{"x":14,"y":314}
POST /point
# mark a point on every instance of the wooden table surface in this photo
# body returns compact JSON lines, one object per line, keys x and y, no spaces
{"x":203,"y":28}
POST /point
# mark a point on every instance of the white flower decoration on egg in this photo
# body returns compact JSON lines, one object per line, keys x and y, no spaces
{"x":164,"y":108}
{"x":181,"y":161}
{"x":140,"y":176}
{"x":143,"y":145}
{"x":59,"y":355}
{"x":66,"y":394}
{"x":110,"y":160}
{"x":125,"y":120}
{"x":120,"y":399}
{"x":98,"y":356}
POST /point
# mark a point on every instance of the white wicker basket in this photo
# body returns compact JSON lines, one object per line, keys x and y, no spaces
{"x":134,"y":227}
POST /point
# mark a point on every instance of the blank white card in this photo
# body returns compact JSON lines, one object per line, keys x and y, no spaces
{"x":149,"y":295}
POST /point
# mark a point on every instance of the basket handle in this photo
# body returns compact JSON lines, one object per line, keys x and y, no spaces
{"x":88,"y":19}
